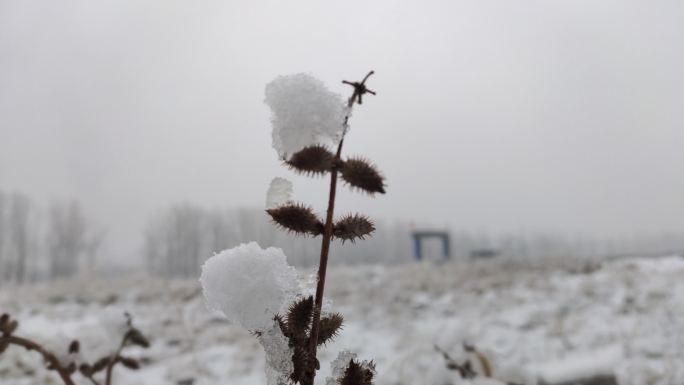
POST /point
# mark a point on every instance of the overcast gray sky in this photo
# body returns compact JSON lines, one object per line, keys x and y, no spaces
{"x":504,"y":116}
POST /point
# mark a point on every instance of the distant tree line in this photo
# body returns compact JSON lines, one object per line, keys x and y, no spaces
{"x":179,"y":239}
{"x":59,"y":240}
{"x":44,"y":243}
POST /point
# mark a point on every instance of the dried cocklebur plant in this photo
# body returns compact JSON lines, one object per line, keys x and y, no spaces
{"x":67,"y":365}
{"x":359,"y":173}
{"x":255,"y":287}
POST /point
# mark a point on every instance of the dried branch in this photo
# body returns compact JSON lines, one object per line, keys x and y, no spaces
{"x":9,"y":326}
{"x":133,"y":336}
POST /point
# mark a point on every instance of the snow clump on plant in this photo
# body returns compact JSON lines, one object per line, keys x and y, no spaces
{"x":304,"y":113}
{"x":249,"y":285}
{"x":279,"y":192}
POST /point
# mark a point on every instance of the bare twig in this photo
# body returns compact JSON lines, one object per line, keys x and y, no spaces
{"x":132,"y":336}
{"x":49,"y":357}
{"x":113,"y":359}
{"x":465,"y":369}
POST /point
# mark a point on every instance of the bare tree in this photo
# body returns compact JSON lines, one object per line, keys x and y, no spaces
{"x":20,"y":237}
{"x":70,"y":239}
{"x":177,"y":241}
{"x":3,"y":230}
{"x":222,"y":230}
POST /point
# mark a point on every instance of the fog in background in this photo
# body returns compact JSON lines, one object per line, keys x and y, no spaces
{"x":493,"y":116}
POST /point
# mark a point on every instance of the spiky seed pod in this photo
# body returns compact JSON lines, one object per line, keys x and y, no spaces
{"x":137,"y":338}
{"x":7,"y":324}
{"x":302,"y":363}
{"x":312,"y":160}
{"x":74,"y":347}
{"x":297,"y":218}
{"x":11,"y":326}
{"x":360,"y":173}
{"x":282,"y":324}
{"x":130,"y":363}
{"x":330,"y":327}
{"x":358,"y":373}
{"x":299,"y":317}
{"x":86,"y":370}
{"x":100,"y":365}
{"x":353,"y":227}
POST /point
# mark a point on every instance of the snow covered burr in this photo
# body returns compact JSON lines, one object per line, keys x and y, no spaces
{"x":304,"y":113}
{"x":248,"y":284}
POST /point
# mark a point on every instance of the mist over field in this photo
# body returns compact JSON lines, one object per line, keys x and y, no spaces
{"x":501,"y":118}
{"x":508,"y":210}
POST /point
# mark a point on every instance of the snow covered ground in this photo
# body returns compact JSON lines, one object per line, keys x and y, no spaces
{"x":538,"y":323}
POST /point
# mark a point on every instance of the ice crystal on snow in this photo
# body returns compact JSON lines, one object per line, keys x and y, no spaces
{"x":339,"y":366}
{"x":278,"y":356}
{"x":304,"y":113}
{"x":248,"y":284}
{"x":279,"y":192}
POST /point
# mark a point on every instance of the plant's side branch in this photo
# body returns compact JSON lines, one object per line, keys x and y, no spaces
{"x":359,"y":90}
{"x":49,"y":357}
{"x":114,"y":358}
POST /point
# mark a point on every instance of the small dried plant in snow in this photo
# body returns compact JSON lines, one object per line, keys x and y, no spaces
{"x":70,"y":361}
{"x":256,"y":288}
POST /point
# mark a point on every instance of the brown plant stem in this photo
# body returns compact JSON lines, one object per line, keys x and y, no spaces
{"x":322,"y":267}
{"x":359,"y":90}
{"x":49,"y":357}
{"x":113,"y":360}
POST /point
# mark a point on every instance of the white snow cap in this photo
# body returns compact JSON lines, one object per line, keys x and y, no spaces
{"x":248,"y":284}
{"x":115,"y":321}
{"x":279,"y":192}
{"x":304,"y":113}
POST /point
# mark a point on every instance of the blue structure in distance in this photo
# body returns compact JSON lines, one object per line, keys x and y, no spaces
{"x":418,"y":237}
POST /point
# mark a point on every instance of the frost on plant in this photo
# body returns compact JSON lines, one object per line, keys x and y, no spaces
{"x":279,"y":366}
{"x":304,"y":113}
{"x":339,"y":366}
{"x":248,"y":284}
{"x":347,"y":370}
{"x":279,"y":192}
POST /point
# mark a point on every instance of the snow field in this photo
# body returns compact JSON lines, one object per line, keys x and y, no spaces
{"x":536,"y":322}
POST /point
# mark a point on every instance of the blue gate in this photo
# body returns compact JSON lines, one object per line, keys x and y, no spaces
{"x":418,"y":237}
